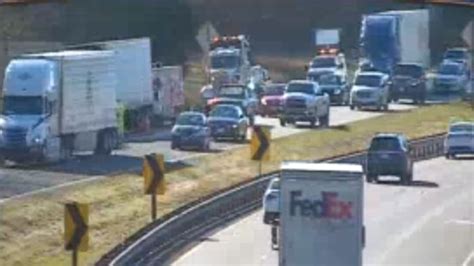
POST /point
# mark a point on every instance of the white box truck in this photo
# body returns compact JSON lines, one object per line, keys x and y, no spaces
{"x":134,"y":77}
{"x":57,"y":103}
{"x":321,"y":214}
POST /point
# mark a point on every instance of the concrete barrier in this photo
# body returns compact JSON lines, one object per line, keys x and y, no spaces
{"x":171,"y":238}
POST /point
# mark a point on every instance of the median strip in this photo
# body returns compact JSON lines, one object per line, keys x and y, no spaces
{"x":32,"y":227}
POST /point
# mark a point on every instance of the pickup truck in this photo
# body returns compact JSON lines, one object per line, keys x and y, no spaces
{"x":305,"y":101}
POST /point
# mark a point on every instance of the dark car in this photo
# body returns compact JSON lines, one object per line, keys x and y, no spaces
{"x":191,"y":131}
{"x":271,"y":102}
{"x":389,"y":154}
{"x":236,"y":94}
{"x":337,"y":90}
{"x":409,"y":82}
{"x":228,"y":121}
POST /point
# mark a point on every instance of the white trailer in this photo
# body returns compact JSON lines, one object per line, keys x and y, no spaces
{"x":134,"y":76}
{"x":168,"y":88}
{"x":57,"y":103}
{"x":321,"y":214}
{"x":414,"y":35}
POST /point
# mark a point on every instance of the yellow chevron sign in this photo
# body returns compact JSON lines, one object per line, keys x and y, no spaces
{"x":154,"y":174}
{"x":76,"y":226}
{"x":260,"y":143}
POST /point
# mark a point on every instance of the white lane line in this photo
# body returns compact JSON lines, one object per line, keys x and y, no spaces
{"x":460,"y":222}
{"x":468,"y":260}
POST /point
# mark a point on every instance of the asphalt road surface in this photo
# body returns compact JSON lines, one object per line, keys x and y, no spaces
{"x":18,"y":181}
{"x":428,"y":223}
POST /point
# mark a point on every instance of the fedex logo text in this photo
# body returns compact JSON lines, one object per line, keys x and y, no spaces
{"x":327,"y":207}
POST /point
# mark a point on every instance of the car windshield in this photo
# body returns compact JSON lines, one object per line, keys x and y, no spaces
{"x":384,"y":144}
{"x":462,"y":128}
{"x":408,"y":70}
{"x":275,"y":184}
{"x":329,"y":80}
{"x":23,"y":105}
{"x":274,"y":90}
{"x":450,"y":69}
{"x":455,"y":54}
{"x":224,"y":61}
{"x":368,"y":80}
{"x":323,"y":62}
{"x":224,"y":111}
{"x":190,"y":120}
{"x":306,"y":88}
{"x":232,"y":92}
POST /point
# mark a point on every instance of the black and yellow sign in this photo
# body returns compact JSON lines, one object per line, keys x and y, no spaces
{"x":154,"y":174}
{"x":76,"y":228}
{"x":260,"y":143}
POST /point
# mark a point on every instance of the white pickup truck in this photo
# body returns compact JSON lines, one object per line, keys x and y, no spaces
{"x":305,"y":101}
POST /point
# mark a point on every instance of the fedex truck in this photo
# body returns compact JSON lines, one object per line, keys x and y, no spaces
{"x":321,"y":214}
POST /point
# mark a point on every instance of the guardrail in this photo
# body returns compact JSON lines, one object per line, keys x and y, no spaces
{"x":169,"y":237}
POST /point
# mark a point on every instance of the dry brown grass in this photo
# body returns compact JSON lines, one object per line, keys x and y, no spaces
{"x":31,"y":231}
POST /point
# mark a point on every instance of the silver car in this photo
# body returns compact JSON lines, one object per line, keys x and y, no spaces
{"x":371,"y":89}
{"x":271,"y":202}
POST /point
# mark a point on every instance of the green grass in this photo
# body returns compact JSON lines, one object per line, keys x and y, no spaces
{"x":32,"y":228}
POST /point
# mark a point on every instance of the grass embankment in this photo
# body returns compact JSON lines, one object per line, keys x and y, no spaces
{"x":31,"y":228}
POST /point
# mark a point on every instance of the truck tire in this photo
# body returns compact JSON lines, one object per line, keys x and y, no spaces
{"x":66,"y":148}
{"x":312,"y":122}
{"x":282,"y":122}
{"x":324,"y":120}
{"x":104,"y":143}
{"x":352,"y":107}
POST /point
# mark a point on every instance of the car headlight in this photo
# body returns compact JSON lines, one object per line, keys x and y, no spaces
{"x":264,"y":101}
{"x":234,"y":126}
{"x":37,"y":140}
{"x":337,"y":91}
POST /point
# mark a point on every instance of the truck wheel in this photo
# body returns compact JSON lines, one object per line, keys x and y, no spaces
{"x":65,"y":150}
{"x":312,"y":122}
{"x":324,"y":120}
{"x":371,"y":178}
{"x":405,"y":179}
{"x":2,"y":160}
{"x":282,"y":122}
{"x":104,"y":143}
{"x":252,"y":120}
{"x":352,"y":107}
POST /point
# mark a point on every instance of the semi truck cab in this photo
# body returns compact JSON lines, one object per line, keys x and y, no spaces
{"x":30,"y":99}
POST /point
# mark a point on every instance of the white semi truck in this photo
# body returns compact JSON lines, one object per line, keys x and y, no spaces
{"x":392,"y":37}
{"x":134,"y":77}
{"x":321,"y":214}
{"x":57,"y":103}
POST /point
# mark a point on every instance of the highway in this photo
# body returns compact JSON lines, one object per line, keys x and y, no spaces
{"x":17,"y":181}
{"x":428,"y":223}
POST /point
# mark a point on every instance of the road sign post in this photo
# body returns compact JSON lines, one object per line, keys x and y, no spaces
{"x":260,"y":145}
{"x":76,"y":228}
{"x":154,"y":174}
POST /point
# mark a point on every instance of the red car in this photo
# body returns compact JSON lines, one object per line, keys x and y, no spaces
{"x":271,"y":100}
